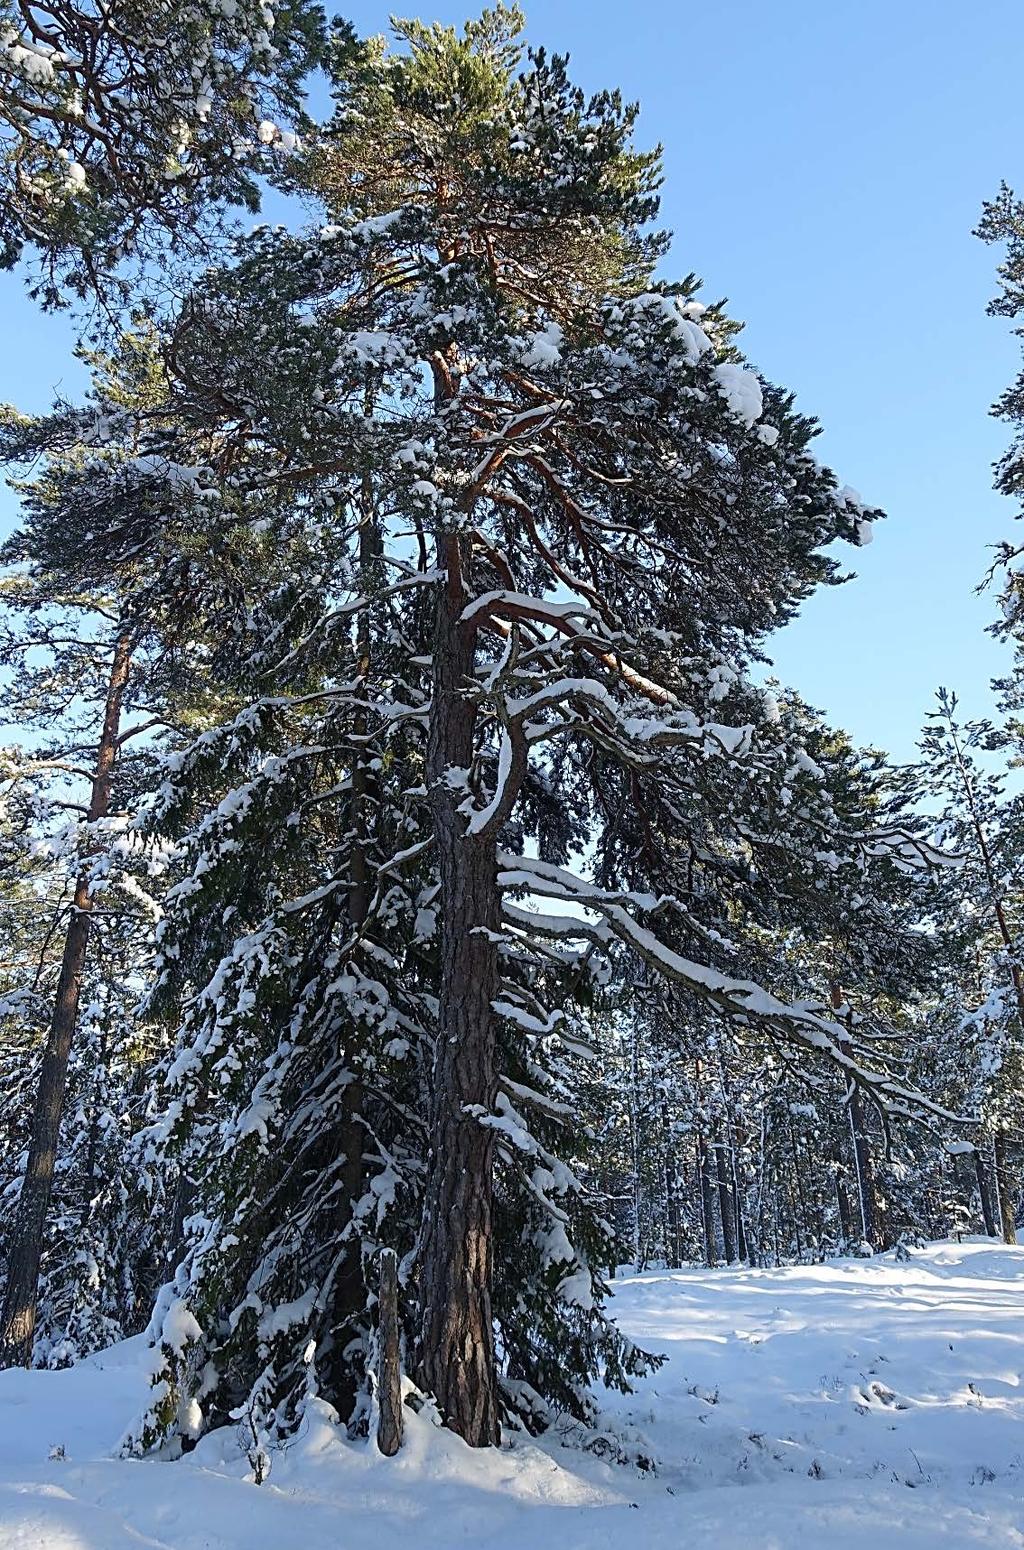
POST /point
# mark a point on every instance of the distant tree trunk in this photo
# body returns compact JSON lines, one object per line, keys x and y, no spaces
{"x":725,"y":1202}
{"x":707,"y":1197}
{"x":862,"y":1165}
{"x":18,"y":1319}
{"x":800,"y":1208}
{"x":846,"y":1226}
{"x":389,"y":1360}
{"x":456,"y":1354}
{"x":633,"y":1109}
{"x":733,"y":1147}
{"x":1004,"y":1189}
{"x":869,"y":1217}
{"x":986,"y":1198}
{"x":670,"y":1227}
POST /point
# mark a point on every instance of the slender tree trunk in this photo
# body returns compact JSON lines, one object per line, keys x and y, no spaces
{"x":986,"y":1198}
{"x":725,"y":1201}
{"x":671,"y":1173}
{"x":639,"y":1254}
{"x":707,"y":1196}
{"x":846,"y":1226}
{"x":862,"y":1166}
{"x":389,"y":1361}
{"x":456,"y":1355}
{"x":732,"y":1142}
{"x":349,"y":1286}
{"x":869,"y":1215}
{"x":18,"y":1319}
{"x":1003,"y":1188}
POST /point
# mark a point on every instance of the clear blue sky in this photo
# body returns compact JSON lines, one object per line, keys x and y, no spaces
{"x":825,"y":164}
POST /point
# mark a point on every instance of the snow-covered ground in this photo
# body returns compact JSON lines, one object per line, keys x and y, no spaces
{"x":855,"y":1404}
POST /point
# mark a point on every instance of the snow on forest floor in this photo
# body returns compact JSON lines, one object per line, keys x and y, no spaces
{"x":844,"y":1405}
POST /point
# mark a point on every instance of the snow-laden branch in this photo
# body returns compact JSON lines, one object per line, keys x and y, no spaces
{"x":741,"y":1000}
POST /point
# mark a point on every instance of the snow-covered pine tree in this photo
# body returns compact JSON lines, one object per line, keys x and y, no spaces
{"x":607,"y":509}
{"x":124,"y":126}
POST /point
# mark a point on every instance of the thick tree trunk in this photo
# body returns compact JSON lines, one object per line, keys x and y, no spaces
{"x":18,"y":1319}
{"x":389,"y":1362}
{"x":1003,"y":1188}
{"x":456,"y":1355}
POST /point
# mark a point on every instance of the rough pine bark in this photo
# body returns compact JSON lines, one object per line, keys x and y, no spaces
{"x":456,"y":1347}
{"x":18,"y":1319}
{"x":389,"y":1363}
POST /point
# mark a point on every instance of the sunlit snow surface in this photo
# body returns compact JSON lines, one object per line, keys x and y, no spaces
{"x":860,"y":1403}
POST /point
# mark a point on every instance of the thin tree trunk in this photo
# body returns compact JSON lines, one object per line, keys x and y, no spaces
{"x":389,"y":1362}
{"x":18,"y":1319}
{"x":1005,"y":1193}
{"x":707,"y":1195}
{"x":843,"y":1200}
{"x":732,"y":1144}
{"x":986,"y":1198}
{"x":349,"y":1287}
{"x":799,"y":1209}
{"x":671,"y":1172}
{"x":725,"y":1201}
{"x":456,"y":1355}
{"x":639,"y":1254}
{"x":869,"y":1215}
{"x":862,"y":1166}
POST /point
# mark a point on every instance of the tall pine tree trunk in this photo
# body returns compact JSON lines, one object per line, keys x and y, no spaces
{"x":18,"y":1319}
{"x":456,"y":1355}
